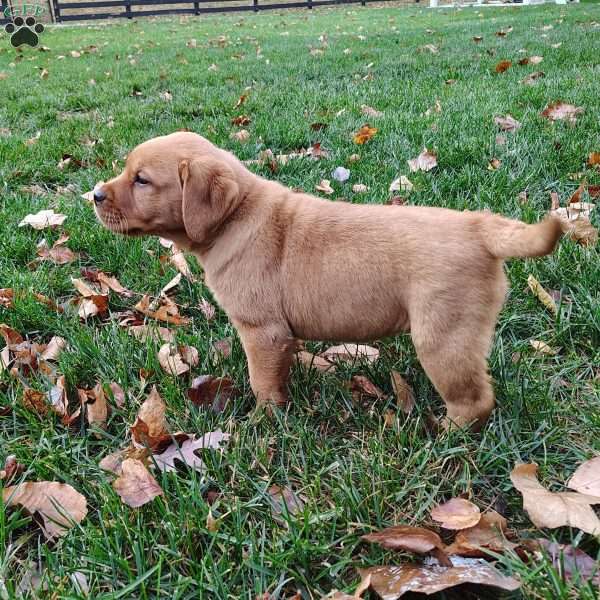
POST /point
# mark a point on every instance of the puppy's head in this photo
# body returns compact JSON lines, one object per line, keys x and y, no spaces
{"x":178,"y":184}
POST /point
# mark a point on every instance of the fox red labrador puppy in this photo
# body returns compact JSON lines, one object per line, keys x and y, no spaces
{"x":286,"y":265}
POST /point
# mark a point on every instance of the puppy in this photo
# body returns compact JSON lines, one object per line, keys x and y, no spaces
{"x":287,"y":266}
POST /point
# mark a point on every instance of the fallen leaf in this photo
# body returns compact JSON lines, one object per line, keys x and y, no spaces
{"x":507,"y":123}
{"x":179,"y":261}
{"x":554,"y":509}
{"x":370,"y":112}
{"x":150,"y":428}
{"x":404,"y":537}
{"x":212,"y":392}
{"x":359,"y":188}
{"x":430,"y":48}
{"x":364,"y":134}
{"x":593,"y":159}
{"x":12,"y":468}
{"x":117,"y":393}
{"x":533,"y":77}
{"x":487,"y":535}
{"x":477,"y":38}
{"x":57,"y":397}
{"x":166,"y":310}
{"x":393,"y":582}
{"x":571,"y":563}
{"x":186,"y":452}
{"x":95,"y":404}
{"x":457,"y":513}
{"x":405,"y":398}
{"x":55,"y":346}
{"x":313,"y":361}
{"x":171,"y":360}
{"x":35,"y":401}
{"x":241,"y":120}
{"x":562,"y":111}
{"x":146,"y":332}
{"x":112,"y":283}
{"x":402,"y":184}
{"x":424,"y":162}
{"x":503,"y":66}
{"x":135,"y":485}
{"x":60,"y":505}
{"x":364,"y":386}
{"x":541,"y":294}
{"x":494,"y":164}
{"x":586,"y":478}
{"x":542,"y":348}
{"x":207,"y":309}
{"x":113,"y":462}
{"x":6,"y":297}
{"x":59,"y":254}
{"x":220,"y":349}
{"x":92,"y":306}
{"x":351,"y":353}
{"x":324,"y":186}
{"x":243,"y":135}
{"x":284,"y":500}
{"x":341,"y":174}
{"x":43,"y":219}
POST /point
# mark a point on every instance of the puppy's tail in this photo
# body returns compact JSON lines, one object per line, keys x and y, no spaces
{"x":505,"y":238}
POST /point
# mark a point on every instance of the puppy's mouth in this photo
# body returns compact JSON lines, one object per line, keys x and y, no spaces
{"x":116,"y":222}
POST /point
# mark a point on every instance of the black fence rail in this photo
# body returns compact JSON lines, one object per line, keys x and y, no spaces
{"x":108,"y":9}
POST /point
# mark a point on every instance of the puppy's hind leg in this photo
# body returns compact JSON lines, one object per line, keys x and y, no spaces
{"x":452,"y":345}
{"x":269,"y":350}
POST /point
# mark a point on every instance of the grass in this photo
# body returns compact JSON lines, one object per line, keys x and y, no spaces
{"x":354,"y":473}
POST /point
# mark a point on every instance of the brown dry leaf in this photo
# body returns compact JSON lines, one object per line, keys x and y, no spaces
{"x":43,"y":219}
{"x":571,"y":563}
{"x":359,"y":188}
{"x":243,"y":135}
{"x":575,"y":218}
{"x":207,"y":309}
{"x":405,"y":397}
{"x":186,"y":451}
{"x":457,"y":513}
{"x":363,"y":385}
{"x":55,"y":346}
{"x":113,"y":462}
{"x":84,"y":288}
{"x":118,"y":393}
{"x":171,"y":360}
{"x":561,"y":111}
{"x":150,"y":428}
{"x":488,"y":534}
{"x":35,"y":401}
{"x":12,"y":468}
{"x":393,"y":582}
{"x":220,"y":349}
{"x":241,"y":120}
{"x":324,"y":186}
{"x":284,"y":500}
{"x":241,"y":100}
{"x":404,"y":537}
{"x":503,"y":66}
{"x":59,"y":504}
{"x":212,"y":392}
{"x":593,"y":159}
{"x":424,"y":162}
{"x":494,"y":164}
{"x":541,"y":294}
{"x":57,"y":396}
{"x":364,"y":134}
{"x":92,"y":306}
{"x":6,"y":297}
{"x":145,"y":332}
{"x":179,"y":261}
{"x":402,"y":184}
{"x":533,"y":77}
{"x":542,"y":348}
{"x":95,"y":404}
{"x":507,"y":123}
{"x":313,"y":361}
{"x":59,"y":254}
{"x":586,"y":478}
{"x":351,"y":353}
{"x":369,"y":111}
{"x":135,"y":485}
{"x":477,"y":38}
{"x":166,"y":310}
{"x":554,"y":509}
{"x":112,"y":283}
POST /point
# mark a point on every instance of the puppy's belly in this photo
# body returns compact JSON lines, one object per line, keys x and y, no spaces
{"x":347,"y":322}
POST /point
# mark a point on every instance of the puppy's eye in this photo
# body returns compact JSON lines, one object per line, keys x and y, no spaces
{"x":139,"y":179}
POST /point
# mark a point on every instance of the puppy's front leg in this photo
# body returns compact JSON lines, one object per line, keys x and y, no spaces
{"x":269,"y":350}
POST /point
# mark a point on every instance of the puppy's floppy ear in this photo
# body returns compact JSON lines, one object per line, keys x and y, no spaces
{"x":210,"y":194}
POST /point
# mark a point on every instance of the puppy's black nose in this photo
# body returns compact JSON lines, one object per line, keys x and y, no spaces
{"x":99,"y":195}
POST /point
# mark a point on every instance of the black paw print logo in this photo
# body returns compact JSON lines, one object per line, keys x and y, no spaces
{"x":24,"y":31}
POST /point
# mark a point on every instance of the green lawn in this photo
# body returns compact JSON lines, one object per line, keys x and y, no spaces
{"x":355,"y":473}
